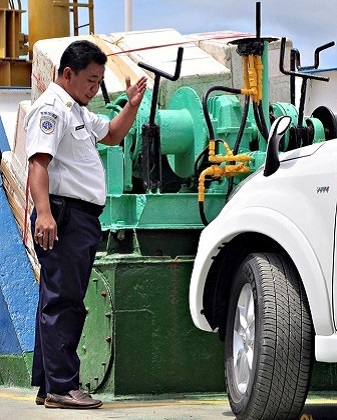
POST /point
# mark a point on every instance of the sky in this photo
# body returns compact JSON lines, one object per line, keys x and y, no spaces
{"x":308,"y":23}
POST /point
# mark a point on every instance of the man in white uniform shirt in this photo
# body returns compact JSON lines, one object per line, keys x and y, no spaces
{"x":67,"y":184}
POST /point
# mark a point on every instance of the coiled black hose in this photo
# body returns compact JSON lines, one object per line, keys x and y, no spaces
{"x":205,"y":109}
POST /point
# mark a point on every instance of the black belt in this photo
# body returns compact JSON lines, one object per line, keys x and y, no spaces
{"x":90,"y":208}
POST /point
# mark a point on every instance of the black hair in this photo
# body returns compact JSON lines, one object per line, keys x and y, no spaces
{"x":79,"y":54}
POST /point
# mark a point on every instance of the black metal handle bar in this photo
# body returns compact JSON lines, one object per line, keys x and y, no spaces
{"x":316,"y":57}
{"x":158,"y":73}
{"x":296,"y":73}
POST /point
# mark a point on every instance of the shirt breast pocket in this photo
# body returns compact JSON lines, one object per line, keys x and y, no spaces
{"x":83,"y":145}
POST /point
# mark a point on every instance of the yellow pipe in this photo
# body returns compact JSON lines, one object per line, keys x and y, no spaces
{"x":211,"y":148}
{"x":229,"y":156}
{"x":253,"y":77}
{"x":216,"y":171}
{"x":253,"y":73}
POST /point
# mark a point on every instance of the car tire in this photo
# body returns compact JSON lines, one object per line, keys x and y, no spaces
{"x":268,"y":341}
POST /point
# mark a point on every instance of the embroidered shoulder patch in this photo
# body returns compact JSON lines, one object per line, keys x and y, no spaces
{"x":47,"y":122}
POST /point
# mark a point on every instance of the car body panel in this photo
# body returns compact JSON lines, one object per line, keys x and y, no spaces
{"x":296,"y":207}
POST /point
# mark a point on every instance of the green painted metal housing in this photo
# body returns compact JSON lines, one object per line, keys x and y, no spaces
{"x":15,"y":370}
{"x":139,"y":338}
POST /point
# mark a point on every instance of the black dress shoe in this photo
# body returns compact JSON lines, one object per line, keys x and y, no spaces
{"x":74,"y":399}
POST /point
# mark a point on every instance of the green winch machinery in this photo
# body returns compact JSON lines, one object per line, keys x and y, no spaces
{"x":166,"y":157}
{"x":172,"y":175}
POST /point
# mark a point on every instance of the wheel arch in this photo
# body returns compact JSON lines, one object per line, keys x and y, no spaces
{"x":225,"y":264}
{"x":221,"y":273}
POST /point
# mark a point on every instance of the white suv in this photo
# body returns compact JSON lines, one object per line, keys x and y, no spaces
{"x":264,"y":278}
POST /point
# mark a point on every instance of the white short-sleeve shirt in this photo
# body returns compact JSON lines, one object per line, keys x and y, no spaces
{"x":59,"y":126}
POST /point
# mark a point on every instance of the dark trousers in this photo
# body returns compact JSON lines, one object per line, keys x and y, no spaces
{"x":64,"y":277}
